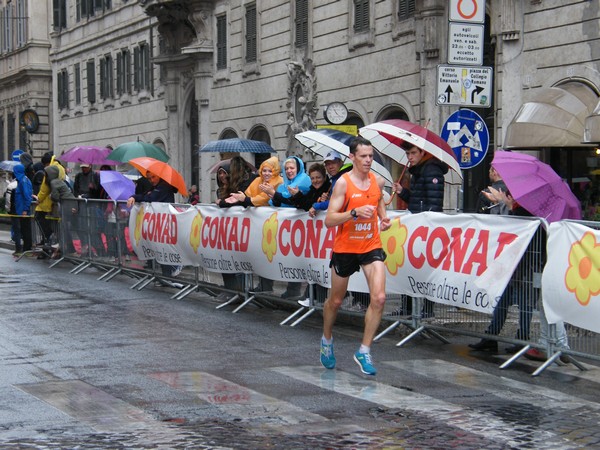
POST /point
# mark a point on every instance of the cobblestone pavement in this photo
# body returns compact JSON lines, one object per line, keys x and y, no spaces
{"x":86,"y":364}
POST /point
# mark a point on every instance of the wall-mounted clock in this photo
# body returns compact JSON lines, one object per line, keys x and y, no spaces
{"x":336,"y":113}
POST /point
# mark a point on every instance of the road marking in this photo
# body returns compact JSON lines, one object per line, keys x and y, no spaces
{"x":238,"y":401}
{"x":91,"y":405}
{"x":469,"y":420}
{"x":500,"y":386}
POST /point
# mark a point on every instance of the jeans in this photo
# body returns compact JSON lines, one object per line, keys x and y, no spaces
{"x":514,"y":294}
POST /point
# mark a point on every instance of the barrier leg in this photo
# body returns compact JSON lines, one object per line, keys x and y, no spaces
{"x":308,"y":313}
{"x":291,"y":316}
{"x":393,"y":326}
{"x":228,"y":302}
{"x":516,"y":356}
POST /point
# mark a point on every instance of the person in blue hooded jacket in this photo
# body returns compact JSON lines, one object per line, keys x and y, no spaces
{"x":23,"y":197}
{"x":296,"y":180}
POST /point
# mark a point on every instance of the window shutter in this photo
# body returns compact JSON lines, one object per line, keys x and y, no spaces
{"x":301,"y":20}
{"x":91,"y":82}
{"x":251,"y":33}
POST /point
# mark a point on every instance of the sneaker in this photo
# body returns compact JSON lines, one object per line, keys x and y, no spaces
{"x":327,"y":356}
{"x":176,"y":270}
{"x":305,"y":302}
{"x":535,"y":355}
{"x":365,"y":363}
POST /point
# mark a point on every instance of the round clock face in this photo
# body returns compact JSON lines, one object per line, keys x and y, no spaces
{"x":336,"y":113}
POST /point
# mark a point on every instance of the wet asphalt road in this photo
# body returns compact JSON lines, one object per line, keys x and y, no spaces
{"x":92,"y":364}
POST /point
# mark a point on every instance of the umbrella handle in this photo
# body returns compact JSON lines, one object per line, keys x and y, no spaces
{"x":394,"y":192}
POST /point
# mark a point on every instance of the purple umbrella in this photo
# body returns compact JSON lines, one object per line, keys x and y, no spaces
{"x":116,"y":185}
{"x":536,"y":186}
{"x":88,"y":154}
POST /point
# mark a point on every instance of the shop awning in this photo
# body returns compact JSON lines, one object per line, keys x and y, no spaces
{"x":555,"y":117}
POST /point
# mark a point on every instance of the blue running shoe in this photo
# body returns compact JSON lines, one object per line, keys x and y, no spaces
{"x":365,"y":363}
{"x":327,"y":356}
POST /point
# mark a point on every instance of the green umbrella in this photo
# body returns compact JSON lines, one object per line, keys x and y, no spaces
{"x":137,"y":149}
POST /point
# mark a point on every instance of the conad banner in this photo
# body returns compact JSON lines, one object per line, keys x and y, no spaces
{"x":463,"y":260}
{"x":571,"y":278}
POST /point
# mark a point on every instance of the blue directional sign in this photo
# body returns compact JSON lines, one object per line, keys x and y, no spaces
{"x":15,"y":154}
{"x":468,"y":135}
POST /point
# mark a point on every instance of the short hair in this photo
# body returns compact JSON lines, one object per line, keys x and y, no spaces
{"x":406,"y":146}
{"x":358,"y":140}
{"x":47,"y":158}
{"x":318,"y":167}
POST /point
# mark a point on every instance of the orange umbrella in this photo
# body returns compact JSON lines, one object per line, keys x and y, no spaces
{"x":162,"y":170}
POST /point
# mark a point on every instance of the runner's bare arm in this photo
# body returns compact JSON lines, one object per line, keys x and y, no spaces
{"x":335,"y":216}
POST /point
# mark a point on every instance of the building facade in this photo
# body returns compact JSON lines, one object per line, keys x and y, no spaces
{"x":180,"y":73}
{"x":25,"y":78}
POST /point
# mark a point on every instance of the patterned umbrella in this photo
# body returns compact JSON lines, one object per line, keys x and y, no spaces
{"x":236,"y":146}
{"x":88,"y":154}
{"x":324,"y":140}
{"x":137,"y":149}
{"x":387,"y":136}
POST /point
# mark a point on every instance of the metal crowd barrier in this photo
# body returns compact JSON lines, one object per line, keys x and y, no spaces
{"x":94,"y":233}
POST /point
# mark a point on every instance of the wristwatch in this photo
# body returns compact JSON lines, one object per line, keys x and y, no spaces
{"x":353,"y":213}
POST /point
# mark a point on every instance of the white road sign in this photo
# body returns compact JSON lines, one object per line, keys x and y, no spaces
{"x":465,"y":44}
{"x":464,"y":86}
{"x":472,"y":11}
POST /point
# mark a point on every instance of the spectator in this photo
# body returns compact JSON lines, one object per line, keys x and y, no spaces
{"x":234,"y":176}
{"x":320,"y":185}
{"x":426,"y":193}
{"x":194,"y":197}
{"x":517,"y":291}
{"x":44,"y":206}
{"x":296,"y":181}
{"x":161,"y":192}
{"x":22,"y":206}
{"x":9,"y":203}
{"x":86,"y":185}
{"x":334,"y":166}
{"x":254,"y":195}
{"x":27,"y":161}
{"x":60,"y":192}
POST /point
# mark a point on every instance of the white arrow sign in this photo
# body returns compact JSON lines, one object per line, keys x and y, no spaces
{"x":464,"y":86}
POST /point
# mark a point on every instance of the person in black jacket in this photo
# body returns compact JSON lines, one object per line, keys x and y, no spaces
{"x":161,"y":192}
{"x":426,"y":193}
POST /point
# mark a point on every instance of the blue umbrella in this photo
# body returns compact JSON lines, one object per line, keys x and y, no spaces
{"x":236,"y":146}
{"x":323,"y":140}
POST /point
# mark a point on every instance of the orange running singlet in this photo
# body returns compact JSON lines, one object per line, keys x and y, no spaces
{"x":359,"y":235}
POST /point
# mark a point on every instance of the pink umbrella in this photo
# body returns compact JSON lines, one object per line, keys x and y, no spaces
{"x":536,"y":186}
{"x":88,"y":154}
{"x":387,"y":136}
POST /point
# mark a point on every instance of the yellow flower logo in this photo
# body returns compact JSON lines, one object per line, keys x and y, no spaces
{"x":269,"y":242}
{"x":583,"y":274}
{"x":137,"y":233}
{"x":393,"y":240}
{"x":195,"y":231}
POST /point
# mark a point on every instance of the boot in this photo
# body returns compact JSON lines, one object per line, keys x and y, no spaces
{"x":485,"y":345}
